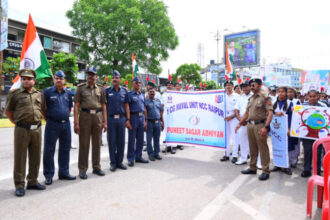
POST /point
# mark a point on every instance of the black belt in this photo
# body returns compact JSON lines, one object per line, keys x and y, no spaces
{"x":117,"y":116}
{"x":140,"y":114}
{"x":59,"y":121}
{"x":252,"y":122}
{"x":91,"y":111}
{"x":153,"y":120}
{"x":28,"y":127}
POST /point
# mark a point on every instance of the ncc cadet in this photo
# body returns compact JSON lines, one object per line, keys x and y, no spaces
{"x":155,"y":122}
{"x":90,"y":99}
{"x":118,"y":116}
{"x":137,"y":120}
{"x":23,"y":108}
{"x":56,"y":108}
{"x":259,"y":114}
{"x":164,"y":101}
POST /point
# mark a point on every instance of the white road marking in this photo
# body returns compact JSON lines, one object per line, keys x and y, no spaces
{"x":216,"y":204}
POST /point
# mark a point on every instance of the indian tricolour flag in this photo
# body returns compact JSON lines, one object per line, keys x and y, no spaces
{"x":33,"y":55}
{"x":135,"y":67}
{"x":229,"y":58}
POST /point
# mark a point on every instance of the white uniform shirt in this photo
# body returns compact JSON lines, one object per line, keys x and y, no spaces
{"x":242,"y":103}
{"x":231,"y":101}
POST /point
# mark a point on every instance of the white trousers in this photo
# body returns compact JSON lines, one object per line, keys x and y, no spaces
{"x":230,"y":132}
{"x":244,"y":143}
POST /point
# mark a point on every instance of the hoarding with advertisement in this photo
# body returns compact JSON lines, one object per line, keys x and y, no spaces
{"x":244,"y":48}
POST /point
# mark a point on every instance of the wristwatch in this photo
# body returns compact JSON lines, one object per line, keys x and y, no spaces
{"x":268,"y":128}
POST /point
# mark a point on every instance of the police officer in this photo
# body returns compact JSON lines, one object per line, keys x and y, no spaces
{"x":259,"y":114}
{"x":23,"y":108}
{"x":155,"y":122}
{"x":56,"y":108}
{"x":137,"y":120}
{"x":118,"y":116}
{"x":90,"y":99}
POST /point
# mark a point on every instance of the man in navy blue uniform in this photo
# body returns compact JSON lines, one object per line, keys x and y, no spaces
{"x":56,"y":108}
{"x":118,"y":116}
{"x":154,"y":116}
{"x":136,"y":134}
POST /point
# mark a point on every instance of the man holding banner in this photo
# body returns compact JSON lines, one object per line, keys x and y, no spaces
{"x":240,"y":109}
{"x":259,"y":114}
{"x":231,"y":122}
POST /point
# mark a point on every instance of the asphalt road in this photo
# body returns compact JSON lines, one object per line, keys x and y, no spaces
{"x":192,"y":184}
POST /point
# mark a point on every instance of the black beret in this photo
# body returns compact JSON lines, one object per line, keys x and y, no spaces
{"x":255,"y":80}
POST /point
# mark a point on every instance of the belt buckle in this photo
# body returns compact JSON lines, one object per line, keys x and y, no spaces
{"x":156,"y":121}
{"x":63,"y":121}
{"x":33,"y":127}
{"x":252,"y":122}
{"x":116,"y":116}
{"x":140,"y":114}
{"x":92,"y":111}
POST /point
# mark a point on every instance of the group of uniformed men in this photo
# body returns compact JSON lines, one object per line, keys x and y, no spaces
{"x":113,"y":109}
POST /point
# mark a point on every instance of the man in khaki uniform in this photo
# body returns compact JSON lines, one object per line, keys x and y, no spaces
{"x":259,"y":114}
{"x":23,"y":108}
{"x":90,"y":100}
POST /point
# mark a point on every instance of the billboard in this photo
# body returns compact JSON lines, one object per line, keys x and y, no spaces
{"x":244,"y":48}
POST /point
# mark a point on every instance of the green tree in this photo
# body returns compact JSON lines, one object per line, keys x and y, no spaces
{"x":189,"y":73}
{"x":65,"y":62}
{"x":10,"y":67}
{"x":210,"y":85}
{"x":111,"y":30}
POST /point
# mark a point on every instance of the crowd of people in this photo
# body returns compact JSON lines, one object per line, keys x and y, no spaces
{"x":114,"y":109}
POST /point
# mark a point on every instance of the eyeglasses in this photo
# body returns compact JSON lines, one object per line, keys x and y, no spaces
{"x":59,"y":78}
{"x":253,"y":85}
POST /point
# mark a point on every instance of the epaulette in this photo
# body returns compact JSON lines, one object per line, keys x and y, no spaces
{"x":81,"y":84}
{"x":14,"y":91}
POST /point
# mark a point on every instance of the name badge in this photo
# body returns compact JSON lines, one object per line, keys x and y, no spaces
{"x":117,"y":116}
{"x":92,"y":111}
{"x":110,"y":94}
{"x":33,"y":127}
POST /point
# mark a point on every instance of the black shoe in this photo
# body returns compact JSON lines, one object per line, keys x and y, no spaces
{"x":173,"y":150}
{"x":264,"y":176}
{"x":113,"y":168}
{"x":122,"y":166}
{"x":275,"y":169}
{"x":248,"y":171}
{"x":141,"y":160}
{"x":37,"y":186}
{"x":167,"y":150}
{"x":158,"y":157}
{"x":83,"y":175}
{"x":66,"y":177}
{"x":234,"y":160}
{"x":99,"y":172}
{"x":306,"y":174}
{"x":130,"y":163}
{"x":152,"y":158}
{"x":287,"y":171}
{"x":20,"y":192}
{"x":180,"y":147}
{"x":48,"y":181}
{"x":224,"y":158}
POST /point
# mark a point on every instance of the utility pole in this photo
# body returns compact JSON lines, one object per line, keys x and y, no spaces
{"x":217,"y":38}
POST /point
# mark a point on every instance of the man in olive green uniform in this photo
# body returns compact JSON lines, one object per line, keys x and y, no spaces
{"x":90,"y":99}
{"x":259,"y":114}
{"x":23,"y":108}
